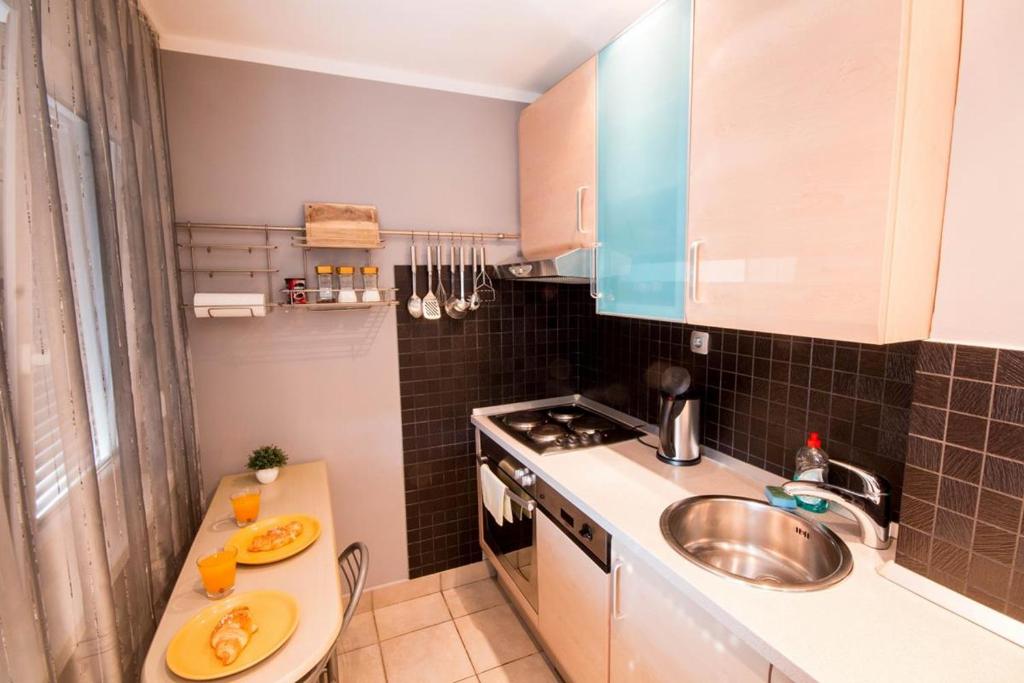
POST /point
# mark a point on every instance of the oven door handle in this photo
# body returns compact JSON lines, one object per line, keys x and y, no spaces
{"x":525,"y":503}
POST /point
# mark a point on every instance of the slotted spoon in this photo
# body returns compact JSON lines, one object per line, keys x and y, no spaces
{"x":415,"y":305}
{"x":431,"y":307}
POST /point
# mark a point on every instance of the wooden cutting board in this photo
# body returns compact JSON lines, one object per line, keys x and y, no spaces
{"x":342,"y":225}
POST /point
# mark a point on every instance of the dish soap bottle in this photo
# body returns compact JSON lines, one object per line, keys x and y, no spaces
{"x":811,"y":465}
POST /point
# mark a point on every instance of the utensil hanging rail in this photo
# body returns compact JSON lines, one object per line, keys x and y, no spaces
{"x":424,"y":234}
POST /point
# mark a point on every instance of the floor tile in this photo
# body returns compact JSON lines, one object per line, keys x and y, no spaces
{"x":430,"y":655}
{"x":411,"y":615}
{"x":494,"y":637}
{"x":473,"y":597}
{"x":532,"y":669}
{"x":363,"y":665}
{"x":406,"y":590}
{"x":450,"y":578}
{"x":361,"y":631}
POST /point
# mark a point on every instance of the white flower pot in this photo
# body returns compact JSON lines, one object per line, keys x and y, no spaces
{"x":267,"y":476}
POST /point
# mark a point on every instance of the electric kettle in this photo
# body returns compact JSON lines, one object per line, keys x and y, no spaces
{"x":678,"y":420}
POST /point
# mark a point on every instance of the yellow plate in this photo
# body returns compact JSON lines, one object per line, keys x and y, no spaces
{"x":241,"y":540}
{"x":190,"y":655}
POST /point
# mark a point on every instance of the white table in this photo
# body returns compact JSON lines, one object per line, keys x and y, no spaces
{"x":311,"y":577}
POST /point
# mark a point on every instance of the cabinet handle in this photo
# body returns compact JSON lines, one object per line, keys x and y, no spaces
{"x":694,"y":269}
{"x":595,"y":293}
{"x":579,"y":208}
{"x":616,"y":578}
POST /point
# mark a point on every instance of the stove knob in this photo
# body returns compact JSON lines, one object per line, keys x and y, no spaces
{"x":586,"y":532}
{"x":584,"y":438}
{"x":524,"y":477}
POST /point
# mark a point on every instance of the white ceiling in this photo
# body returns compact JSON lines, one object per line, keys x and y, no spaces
{"x":509,"y":49}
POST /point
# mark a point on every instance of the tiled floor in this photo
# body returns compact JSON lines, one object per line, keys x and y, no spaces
{"x":445,"y":628}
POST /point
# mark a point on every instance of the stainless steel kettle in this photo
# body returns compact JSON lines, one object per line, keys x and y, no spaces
{"x":678,"y":419}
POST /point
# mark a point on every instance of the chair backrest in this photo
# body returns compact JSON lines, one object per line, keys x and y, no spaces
{"x":353,"y":563}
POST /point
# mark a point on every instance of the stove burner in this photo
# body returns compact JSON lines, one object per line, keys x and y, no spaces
{"x":590,"y":424}
{"x":547,"y":433}
{"x":565,"y":413}
{"x":525,"y":420}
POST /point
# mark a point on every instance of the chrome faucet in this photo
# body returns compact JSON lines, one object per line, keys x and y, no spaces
{"x":871,"y":507}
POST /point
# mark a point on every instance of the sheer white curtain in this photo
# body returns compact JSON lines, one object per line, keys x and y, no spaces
{"x":99,"y":464}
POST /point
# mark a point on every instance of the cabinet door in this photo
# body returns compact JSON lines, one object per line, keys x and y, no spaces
{"x":819,"y":151}
{"x":660,"y":635}
{"x":643,"y":102}
{"x":574,"y":605}
{"x":557,"y":166}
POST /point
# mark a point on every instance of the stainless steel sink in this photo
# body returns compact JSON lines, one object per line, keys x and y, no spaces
{"x":751,"y":541}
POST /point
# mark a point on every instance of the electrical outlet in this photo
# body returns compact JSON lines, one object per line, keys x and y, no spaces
{"x":700,"y":342}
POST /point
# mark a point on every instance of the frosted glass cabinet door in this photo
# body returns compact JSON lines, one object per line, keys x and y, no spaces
{"x":643,"y":102}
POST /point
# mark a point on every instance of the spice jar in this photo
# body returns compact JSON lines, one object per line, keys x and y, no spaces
{"x":371,"y":293}
{"x":347,"y":285}
{"x":324,"y":284}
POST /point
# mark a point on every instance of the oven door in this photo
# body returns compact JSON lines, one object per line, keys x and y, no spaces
{"x":513,"y":542}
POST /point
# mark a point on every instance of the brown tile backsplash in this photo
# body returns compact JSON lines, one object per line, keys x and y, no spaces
{"x":522,"y":346}
{"x":963,"y":494}
{"x":762,"y":393}
{"x":944,"y":423}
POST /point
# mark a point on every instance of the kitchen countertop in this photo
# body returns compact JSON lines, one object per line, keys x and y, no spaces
{"x":873,"y":629}
{"x":311,"y":577}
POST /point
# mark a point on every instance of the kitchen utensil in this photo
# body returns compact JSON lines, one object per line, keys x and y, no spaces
{"x":190,"y":656}
{"x":449,"y":304}
{"x":460,"y":307}
{"x":474,"y":298}
{"x":431,"y":306}
{"x":442,"y":295}
{"x":415,"y":305}
{"x":486,"y":287}
{"x":242,"y":539}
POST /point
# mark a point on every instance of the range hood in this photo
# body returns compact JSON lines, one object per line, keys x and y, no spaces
{"x":571,"y":268}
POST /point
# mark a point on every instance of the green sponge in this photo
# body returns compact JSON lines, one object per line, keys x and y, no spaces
{"x":779,"y":498}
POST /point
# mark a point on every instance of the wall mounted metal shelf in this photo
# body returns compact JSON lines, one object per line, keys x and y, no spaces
{"x":298,"y":240}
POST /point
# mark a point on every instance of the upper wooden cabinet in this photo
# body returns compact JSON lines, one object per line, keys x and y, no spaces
{"x":558,"y":166}
{"x":819,"y":149}
{"x":980,"y":297}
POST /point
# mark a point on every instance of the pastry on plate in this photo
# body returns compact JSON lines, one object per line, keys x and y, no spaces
{"x":275,"y":538}
{"x":232,"y":634}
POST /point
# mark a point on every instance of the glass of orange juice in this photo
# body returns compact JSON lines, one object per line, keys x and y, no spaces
{"x":246,"y":504}
{"x":217,"y":570}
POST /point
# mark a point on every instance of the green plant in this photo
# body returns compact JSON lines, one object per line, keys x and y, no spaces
{"x":267,"y":457}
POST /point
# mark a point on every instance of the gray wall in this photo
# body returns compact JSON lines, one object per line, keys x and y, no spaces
{"x":249,"y":144}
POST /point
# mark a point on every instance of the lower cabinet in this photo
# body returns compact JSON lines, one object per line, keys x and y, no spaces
{"x":573,"y":594}
{"x":658,"y":634}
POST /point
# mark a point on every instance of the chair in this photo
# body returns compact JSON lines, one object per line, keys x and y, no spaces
{"x":353,"y":563}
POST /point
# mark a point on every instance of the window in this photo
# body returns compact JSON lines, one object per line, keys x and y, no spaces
{"x":81,"y":224}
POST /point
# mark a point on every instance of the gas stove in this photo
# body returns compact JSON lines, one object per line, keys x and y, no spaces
{"x":562,"y":428}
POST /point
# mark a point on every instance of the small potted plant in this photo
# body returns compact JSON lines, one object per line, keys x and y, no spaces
{"x":267,"y":461}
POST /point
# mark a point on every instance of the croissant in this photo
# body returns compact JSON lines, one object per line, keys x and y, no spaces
{"x":275,"y":538}
{"x":232,"y":633}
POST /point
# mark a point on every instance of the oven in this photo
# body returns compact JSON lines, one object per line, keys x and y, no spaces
{"x":512,"y":543}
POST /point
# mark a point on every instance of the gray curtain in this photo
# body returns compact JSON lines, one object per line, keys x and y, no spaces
{"x":99,"y":464}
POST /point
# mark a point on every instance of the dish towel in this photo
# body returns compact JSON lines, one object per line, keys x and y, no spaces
{"x":495,"y":496}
